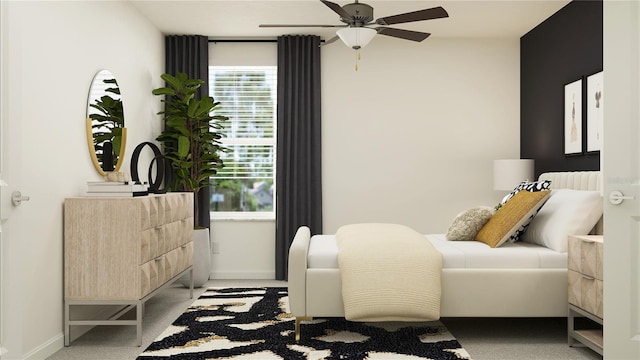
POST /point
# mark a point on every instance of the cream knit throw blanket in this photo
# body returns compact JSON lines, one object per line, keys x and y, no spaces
{"x":389,"y":273}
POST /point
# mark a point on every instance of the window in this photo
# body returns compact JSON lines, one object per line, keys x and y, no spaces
{"x":245,"y":187}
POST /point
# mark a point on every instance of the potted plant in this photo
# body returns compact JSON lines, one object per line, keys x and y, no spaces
{"x":191,"y":140}
{"x":191,"y":137}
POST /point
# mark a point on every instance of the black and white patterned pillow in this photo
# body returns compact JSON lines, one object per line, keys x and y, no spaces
{"x":526,"y":185}
{"x":532,"y":186}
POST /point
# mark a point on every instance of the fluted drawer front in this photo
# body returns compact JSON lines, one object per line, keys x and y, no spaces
{"x":167,"y":233}
{"x":585,"y":292}
{"x":161,"y":202}
{"x":575,"y":288}
{"x":172,"y":236}
{"x":162,"y":270}
{"x":186,"y":230}
{"x":148,"y":278}
{"x":115,"y":248}
{"x":575,"y":254}
{"x":179,"y":207}
{"x":145,"y":246}
{"x":171,"y":268}
{"x":186,"y":256}
{"x":172,"y":208}
{"x":178,"y":260}
{"x":585,"y":273}
{"x":152,"y":275}
{"x":599,"y":299}
{"x":151,"y":244}
{"x":158,"y":239}
{"x":591,"y":259}
{"x":586,"y":255}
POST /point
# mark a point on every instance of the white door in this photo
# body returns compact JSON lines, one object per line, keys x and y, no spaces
{"x":2,"y":272}
{"x":621,"y":170}
{"x":10,"y":340}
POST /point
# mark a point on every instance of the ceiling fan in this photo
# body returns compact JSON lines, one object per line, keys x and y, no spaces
{"x":358,"y":17}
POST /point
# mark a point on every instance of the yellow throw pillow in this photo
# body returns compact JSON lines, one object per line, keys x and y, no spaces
{"x":508,"y":219}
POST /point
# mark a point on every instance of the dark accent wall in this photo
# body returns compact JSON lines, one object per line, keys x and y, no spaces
{"x":564,"y":48}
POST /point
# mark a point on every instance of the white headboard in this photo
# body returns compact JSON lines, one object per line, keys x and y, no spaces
{"x":577,"y":180}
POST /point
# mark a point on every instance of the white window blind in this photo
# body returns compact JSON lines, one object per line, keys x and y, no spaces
{"x":246,"y":184}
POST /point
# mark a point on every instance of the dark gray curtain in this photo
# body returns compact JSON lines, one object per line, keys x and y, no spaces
{"x":190,"y":54}
{"x":298,"y":165}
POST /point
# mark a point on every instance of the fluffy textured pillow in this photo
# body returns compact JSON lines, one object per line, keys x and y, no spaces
{"x":508,"y":219}
{"x":466,"y":225}
{"x":568,"y":212}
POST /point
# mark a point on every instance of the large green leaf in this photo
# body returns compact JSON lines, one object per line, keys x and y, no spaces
{"x":163,"y":91}
{"x":174,"y":82}
{"x":183,"y":146}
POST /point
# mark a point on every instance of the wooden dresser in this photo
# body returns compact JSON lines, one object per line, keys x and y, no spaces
{"x":585,"y":277}
{"x":122,"y":250}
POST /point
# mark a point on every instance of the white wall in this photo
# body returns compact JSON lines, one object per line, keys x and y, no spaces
{"x":409,"y":138}
{"x":243,"y":249}
{"x":51,"y":50}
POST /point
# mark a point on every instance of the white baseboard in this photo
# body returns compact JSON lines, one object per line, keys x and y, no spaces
{"x":243,"y":275}
{"x":46,"y":349}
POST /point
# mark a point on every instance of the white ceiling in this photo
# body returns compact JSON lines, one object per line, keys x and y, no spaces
{"x":239,"y":19}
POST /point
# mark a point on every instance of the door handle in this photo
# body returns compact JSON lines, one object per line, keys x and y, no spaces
{"x":17,"y":198}
{"x":616,"y":197}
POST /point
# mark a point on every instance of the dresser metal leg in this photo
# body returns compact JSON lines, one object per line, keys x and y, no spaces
{"x":570,"y":327}
{"x":139,"y":324}
{"x":67,"y":326}
{"x":191,"y":283}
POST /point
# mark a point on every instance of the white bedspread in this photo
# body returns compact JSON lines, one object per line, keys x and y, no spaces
{"x":389,"y":273}
{"x":323,"y":254}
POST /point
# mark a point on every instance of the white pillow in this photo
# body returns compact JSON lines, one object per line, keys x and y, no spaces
{"x":567,"y":212}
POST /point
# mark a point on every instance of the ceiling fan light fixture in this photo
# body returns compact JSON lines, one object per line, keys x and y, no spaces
{"x":356,"y":37}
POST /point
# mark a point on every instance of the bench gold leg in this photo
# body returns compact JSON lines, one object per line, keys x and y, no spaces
{"x":298,"y":319}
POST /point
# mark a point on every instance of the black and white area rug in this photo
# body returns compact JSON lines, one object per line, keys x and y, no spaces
{"x":254,"y":323}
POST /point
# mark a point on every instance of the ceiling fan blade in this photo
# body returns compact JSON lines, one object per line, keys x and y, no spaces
{"x":426,"y":14}
{"x":332,"y":40}
{"x":338,"y":10}
{"x":299,"y":25}
{"x":403,"y":34}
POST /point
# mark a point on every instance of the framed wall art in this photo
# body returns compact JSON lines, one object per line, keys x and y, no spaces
{"x":595,"y":111}
{"x":573,"y":118}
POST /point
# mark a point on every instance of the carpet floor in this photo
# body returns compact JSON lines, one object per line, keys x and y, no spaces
{"x":254,"y":323}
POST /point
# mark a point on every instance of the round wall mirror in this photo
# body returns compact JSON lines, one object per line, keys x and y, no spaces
{"x":106,"y":134}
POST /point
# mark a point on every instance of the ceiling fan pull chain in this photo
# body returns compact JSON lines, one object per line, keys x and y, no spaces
{"x":357,"y":58}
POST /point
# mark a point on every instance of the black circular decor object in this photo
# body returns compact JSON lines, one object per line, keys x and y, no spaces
{"x":161,"y":171}
{"x":154,"y":184}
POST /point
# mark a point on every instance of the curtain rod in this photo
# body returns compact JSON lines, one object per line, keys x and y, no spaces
{"x":246,"y":41}
{"x":243,"y":40}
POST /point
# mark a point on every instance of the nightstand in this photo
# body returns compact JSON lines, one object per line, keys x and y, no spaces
{"x":585,"y":290}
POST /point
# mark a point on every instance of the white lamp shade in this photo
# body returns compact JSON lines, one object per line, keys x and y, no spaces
{"x":508,"y":173}
{"x":356,"y":37}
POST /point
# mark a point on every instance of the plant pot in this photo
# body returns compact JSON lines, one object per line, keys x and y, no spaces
{"x":201,"y":258}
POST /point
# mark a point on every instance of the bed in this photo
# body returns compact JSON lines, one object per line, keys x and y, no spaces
{"x":520,"y":279}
